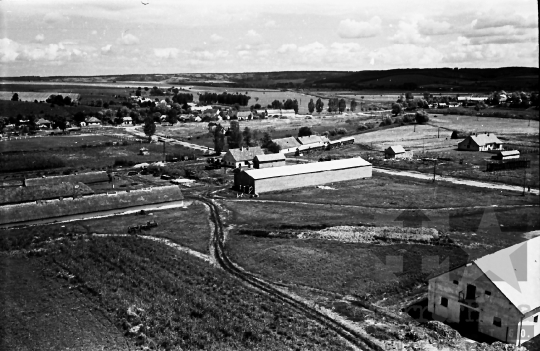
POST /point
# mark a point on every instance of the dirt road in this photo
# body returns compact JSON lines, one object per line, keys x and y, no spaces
{"x":438,"y":178}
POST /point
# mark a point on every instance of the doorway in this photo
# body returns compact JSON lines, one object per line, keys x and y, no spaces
{"x":468,"y":318}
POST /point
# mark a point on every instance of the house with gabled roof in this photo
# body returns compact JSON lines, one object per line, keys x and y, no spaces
{"x":395,"y":151}
{"x":481,"y":142}
{"x":93,"y":121}
{"x":289,"y":144}
{"x":242,"y":157}
{"x":497,"y":295}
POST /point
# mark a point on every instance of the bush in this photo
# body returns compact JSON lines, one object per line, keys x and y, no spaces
{"x":273,"y":147}
{"x":123,"y":162}
{"x":421,"y":117}
{"x":342,"y":131}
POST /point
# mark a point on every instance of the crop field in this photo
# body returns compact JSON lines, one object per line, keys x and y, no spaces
{"x":162,"y":298}
{"x":39,"y":96}
{"x":471,"y":124}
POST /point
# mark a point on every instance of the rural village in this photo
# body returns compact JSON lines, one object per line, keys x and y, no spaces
{"x":392,"y":209}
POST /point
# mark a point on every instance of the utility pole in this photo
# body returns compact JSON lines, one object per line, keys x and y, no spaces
{"x":438,"y":132}
{"x":164,"y":151}
{"x":524,"y":180}
{"x":434,"y":169}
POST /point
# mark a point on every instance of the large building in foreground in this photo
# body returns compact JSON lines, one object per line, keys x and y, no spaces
{"x":256,"y":181}
{"x":497,"y":295}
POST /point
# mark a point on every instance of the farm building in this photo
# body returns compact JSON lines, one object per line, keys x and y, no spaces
{"x":13,"y":195}
{"x":238,"y":158}
{"x":256,"y":181}
{"x":43,"y":123}
{"x":86,"y":178}
{"x":395,"y":151}
{"x":312,"y":139}
{"x":269,"y":160}
{"x":341,"y":142}
{"x":244,"y":115}
{"x":289,"y":144}
{"x":127,"y":121}
{"x":273,"y":112}
{"x":481,"y":142}
{"x":93,"y":121}
{"x":497,"y":294}
{"x":506,"y":155}
{"x":288,"y":113}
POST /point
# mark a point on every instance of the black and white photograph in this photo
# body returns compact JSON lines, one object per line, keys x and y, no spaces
{"x":269,"y":175}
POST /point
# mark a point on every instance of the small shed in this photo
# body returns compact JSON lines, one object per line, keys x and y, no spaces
{"x":395,"y":151}
{"x":269,"y":160}
{"x":506,"y":155}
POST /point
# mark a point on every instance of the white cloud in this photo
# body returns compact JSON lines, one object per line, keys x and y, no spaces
{"x":8,"y":50}
{"x":94,"y":32}
{"x":270,"y":23}
{"x":216,"y":38}
{"x":39,"y":38}
{"x":106,"y":49}
{"x":315,"y":48}
{"x":287,"y":48}
{"x":494,"y":20}
{"x":407,"y":55}
{"x":407,"y":33}
{"x":166,"y":53}
{"x":128,"y":39}
{"x":352,"y":29}
{"x":432,"y":27}
{"x":253,"y":34}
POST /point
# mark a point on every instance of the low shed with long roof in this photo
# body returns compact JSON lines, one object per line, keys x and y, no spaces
{"x":256,"y":181}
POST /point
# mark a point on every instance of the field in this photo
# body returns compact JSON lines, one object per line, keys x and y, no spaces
{"x":53,"y":142}
{"x":469,"y":124}
{"x":14,"y":108}
{"x":155,"y":295}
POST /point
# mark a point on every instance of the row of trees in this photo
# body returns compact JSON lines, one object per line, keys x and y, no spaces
{"x":237,"y":138}
{"x":208,"y":98}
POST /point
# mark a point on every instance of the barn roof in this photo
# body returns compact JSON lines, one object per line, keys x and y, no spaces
{"x":88,"y":177}
{"x":93,"y":120}
{"x":43,"y":121}
{"x":243,"y":113}
{"x":306,"y":168}
{"x":287,"y":143}
{"x":396,"y":149}
{"x":483,"y":139}
{"x":10,"y":195}
{"x":508,"y":153}
{"x":515,"y":271}
{"x":311,"y":139}
{"x":273,"y":111}
{"x":270,"y":157}
{"x":244,"y":154}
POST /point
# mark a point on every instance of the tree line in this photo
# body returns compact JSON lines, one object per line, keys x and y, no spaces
{"x":208,"y":98}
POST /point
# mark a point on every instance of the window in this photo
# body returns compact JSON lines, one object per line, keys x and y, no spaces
{"x":456,"y":282}
{"x":444,"y":302}
{"x":496,"y":321}
{"x":535,"y":319}
{"x":488,"y":293}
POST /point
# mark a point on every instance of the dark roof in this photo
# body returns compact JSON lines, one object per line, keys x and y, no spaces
{"x":11,"y":195}
{"x":270,"y":157}
{"x":286,"y":143}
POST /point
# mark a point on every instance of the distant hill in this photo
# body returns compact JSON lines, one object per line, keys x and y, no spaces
{"x":463,"y":79}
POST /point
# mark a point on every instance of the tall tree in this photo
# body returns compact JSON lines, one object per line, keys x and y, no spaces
{"x":396,"y":109}
{"x":266,"y":139}
{"x":353,"y":105}
{"x":247,"y":136}
{"x":319,"y":105}
{"x":409,"y":95}
{"x":219,"y":139}
{"x":149,"y":127}
{"x":15,"y":97}
{"x":342,"y":105}
{"x":311,"y":106}
{"x":234,"y":137}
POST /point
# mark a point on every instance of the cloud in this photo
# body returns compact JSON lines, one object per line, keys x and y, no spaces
{"x":39,"y":38}
{"x":253,"y":34}
{"x":287,"y":48}
{"x":128,"y":39}
{"x":352,"y":29}
{"x":106,"y":49}
{"x":8,"y":50}
{"x":270,"y":23}
{"x":407,"y":55}
{"x":432,"y":27}
{"x":407,"y":33}
{"x":216,"y":38}
{"x":166,"y":53}
{"x":94,"y":32}
{"x":502,"y":19}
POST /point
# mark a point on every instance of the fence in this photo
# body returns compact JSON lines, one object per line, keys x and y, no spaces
{"x":511,"y":164}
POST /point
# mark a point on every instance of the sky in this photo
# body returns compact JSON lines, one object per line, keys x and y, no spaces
{"x":107,"y":37}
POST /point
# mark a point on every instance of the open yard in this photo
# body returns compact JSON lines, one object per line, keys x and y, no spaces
{"x":53,"y":142}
